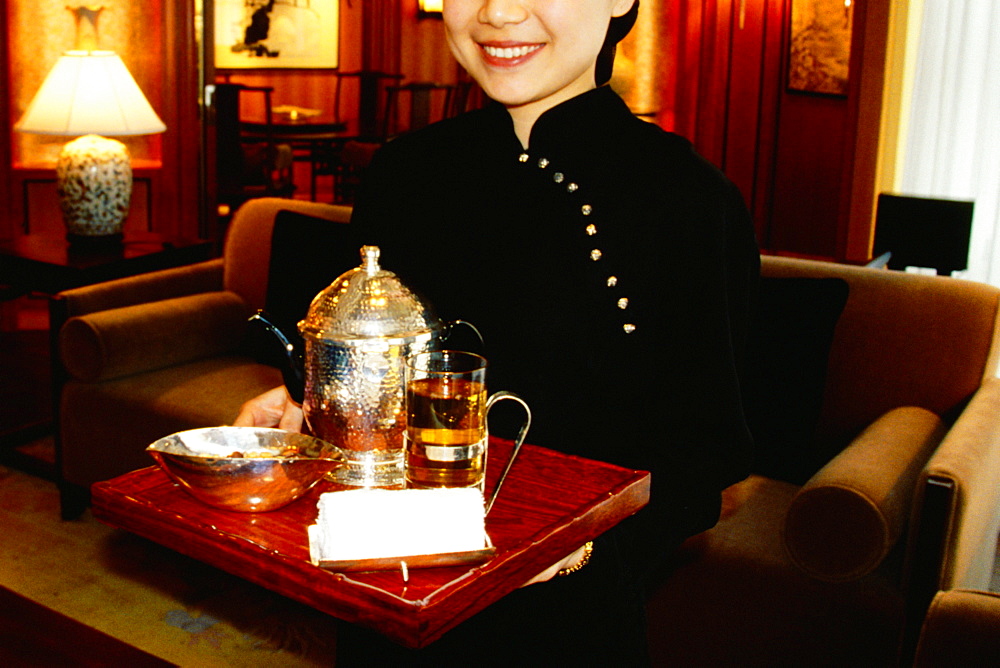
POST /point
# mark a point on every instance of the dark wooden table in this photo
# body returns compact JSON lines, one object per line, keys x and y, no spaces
{"x":550,"y":504}
{"x":47,"y":263}
{"x":313,"y":139}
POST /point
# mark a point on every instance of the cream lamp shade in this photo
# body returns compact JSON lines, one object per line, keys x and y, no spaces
{"x":91,"y":93}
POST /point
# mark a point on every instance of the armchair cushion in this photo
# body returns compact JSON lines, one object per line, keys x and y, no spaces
{"x":123,"y":341}
{"x":787,"y":354}
{"x":307,"y":254}
{"x":846,"y":518}
{"x":150,"y":287}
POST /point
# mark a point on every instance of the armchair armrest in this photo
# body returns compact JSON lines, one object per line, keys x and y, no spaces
{"x":132,"y":339}
{"x":953,"y":528}
{"x":849,"y":515}
{"x":962,"y":628}
{"x":150,"y":287}
{"x":965,"y":473}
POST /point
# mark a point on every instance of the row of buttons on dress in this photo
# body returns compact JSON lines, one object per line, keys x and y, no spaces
{"x":586,"y":210}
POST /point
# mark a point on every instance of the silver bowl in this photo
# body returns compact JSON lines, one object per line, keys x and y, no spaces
{"x":248,"y":469}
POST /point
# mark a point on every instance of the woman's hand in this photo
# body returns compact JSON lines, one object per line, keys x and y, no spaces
{"x":550,"y":572}
{"x":274,"y":408}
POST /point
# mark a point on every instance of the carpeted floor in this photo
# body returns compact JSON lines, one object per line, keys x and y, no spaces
{"x":162,"y":602}
{"x":155,"y":599}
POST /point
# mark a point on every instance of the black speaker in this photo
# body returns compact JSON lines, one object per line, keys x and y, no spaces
{"x":923,"y":232}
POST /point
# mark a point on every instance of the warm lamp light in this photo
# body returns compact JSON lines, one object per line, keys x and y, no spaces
{"x":91,"y":93}
{"x":431,"y":6}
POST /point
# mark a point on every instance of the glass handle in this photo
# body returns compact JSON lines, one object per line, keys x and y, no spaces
{"x":494,"y":398}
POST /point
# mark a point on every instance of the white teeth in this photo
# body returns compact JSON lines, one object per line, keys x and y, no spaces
{"x":510,"y":51}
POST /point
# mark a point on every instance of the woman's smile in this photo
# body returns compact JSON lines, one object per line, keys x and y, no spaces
{"x":506,"y":54}
{"x":530,"y":55}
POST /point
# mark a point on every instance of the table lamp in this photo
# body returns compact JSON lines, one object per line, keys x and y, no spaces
{"x":87,"y":94}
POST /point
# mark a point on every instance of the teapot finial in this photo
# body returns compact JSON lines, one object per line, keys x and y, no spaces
{"x":369,"y":255}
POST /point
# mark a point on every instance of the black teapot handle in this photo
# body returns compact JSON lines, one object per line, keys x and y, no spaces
{"x":293,"y":371}
{"x":449,"y":329}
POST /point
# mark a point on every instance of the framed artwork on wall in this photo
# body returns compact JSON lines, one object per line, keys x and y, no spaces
{"x":270,"y":34}
{"x":820,"y":46}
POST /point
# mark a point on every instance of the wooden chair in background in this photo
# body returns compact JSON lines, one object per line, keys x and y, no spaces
{"x":247,"y":166}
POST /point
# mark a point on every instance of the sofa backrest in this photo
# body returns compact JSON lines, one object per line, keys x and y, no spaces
{"x":902,"y":340}
{"x":247,"y":250}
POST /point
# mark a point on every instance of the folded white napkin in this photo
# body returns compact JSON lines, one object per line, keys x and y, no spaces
{"x":377,"y":524}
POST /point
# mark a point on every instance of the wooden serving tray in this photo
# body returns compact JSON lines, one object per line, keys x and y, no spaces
{"x":550,"y":504}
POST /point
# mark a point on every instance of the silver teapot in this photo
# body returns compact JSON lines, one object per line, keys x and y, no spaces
{"x":357,"y":333}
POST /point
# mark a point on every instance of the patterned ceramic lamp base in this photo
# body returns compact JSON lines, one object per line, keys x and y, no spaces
{"x":95,"y":186}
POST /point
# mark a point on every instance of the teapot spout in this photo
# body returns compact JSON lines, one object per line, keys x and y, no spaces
{"x":293,"y":371}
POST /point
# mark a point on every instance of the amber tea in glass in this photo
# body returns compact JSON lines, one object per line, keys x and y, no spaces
{"x":446,"y":419}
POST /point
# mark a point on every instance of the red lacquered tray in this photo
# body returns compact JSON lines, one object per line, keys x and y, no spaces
{"x":550,"y":504}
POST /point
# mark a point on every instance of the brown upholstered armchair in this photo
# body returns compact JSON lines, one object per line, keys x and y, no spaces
{"x":962,"y":628}
{"x":831,"y":553}
{"x":872,"y":397}
{"x":146,"y":356}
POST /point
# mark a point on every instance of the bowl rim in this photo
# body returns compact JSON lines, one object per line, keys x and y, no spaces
{"x":334,"y":453}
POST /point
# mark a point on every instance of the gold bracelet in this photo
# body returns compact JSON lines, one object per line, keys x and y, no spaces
{"x":588,"y":549}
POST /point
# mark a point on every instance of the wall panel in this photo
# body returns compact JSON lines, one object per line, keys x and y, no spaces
{"x":7,"y":226}
{"x":156,"y":42}
{"x":792,"y":154}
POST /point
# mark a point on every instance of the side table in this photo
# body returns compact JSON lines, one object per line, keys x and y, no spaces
{"x":48,"y":264}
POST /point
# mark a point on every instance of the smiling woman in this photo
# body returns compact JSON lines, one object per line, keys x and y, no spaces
{"x":610,"y":271}
{"x":530,"y":56}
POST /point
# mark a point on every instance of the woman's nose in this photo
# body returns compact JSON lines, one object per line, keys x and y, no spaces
{"x":498,"y":13}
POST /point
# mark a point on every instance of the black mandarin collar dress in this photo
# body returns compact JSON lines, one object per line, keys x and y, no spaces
{"x":611,"y":272}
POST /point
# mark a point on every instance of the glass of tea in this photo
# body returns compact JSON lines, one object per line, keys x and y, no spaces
{"x":446,"y":419}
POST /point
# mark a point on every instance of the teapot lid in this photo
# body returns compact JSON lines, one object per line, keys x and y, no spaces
{"x":367,"y":302}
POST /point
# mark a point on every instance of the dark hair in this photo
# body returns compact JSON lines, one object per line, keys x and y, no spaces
{"x":619,"y":27}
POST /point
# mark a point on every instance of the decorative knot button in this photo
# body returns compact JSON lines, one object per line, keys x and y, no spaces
{"x":523,"y":157}
{"x":623,"y":303}
{"x":572,"y":188}
{"x":612,"y":281}
{"x":591,"y":230}
{"x":558,"y":177}
{"x":595,"y":254}
{"x":543,"y":163}
{"x":586,"y":209}
{"x":629,"y":328}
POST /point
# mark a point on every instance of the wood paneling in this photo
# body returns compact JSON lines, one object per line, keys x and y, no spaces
{"x":803,"y":162}
{"x":744,"y":95}
{"x":868,"y":60}
{"x":176,"y":199}
{"x":40,"y":198}
{"x":157,"y":43}
{"x":806,"y":186}
{"x":7,"y":229}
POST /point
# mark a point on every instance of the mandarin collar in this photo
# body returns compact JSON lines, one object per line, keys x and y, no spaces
{"x":569,"y":126}
{"x":579,"y":120}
